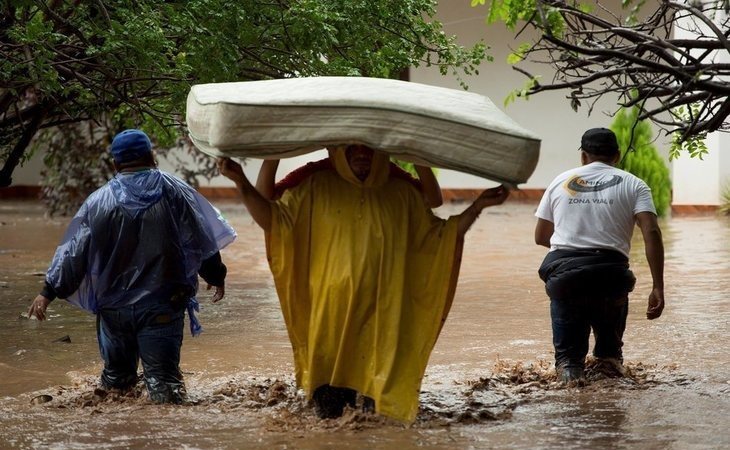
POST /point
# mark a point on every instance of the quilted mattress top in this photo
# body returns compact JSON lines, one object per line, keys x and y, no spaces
{"x":435,"y":126}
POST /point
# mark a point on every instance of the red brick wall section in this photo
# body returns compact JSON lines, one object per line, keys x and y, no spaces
{"x":219,"y":193}
{"x":20,"y":192}
{"x":694,"y":210}
{"x":467,"y":195}
{"x":450,"y":195}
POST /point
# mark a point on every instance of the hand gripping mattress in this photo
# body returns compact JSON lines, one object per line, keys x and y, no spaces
{"x":424,"y":124}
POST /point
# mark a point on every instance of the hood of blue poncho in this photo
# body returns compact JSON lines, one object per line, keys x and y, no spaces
{"x":137,"y":191}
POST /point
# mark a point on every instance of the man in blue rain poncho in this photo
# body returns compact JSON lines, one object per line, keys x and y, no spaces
{"x":132,"y":255}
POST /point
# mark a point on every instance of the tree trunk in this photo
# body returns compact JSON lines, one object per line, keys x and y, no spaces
{"x":6,"y":174}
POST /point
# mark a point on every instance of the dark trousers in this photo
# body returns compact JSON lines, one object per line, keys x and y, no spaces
{"x":573,"y":320}
{"x":152,"y":332}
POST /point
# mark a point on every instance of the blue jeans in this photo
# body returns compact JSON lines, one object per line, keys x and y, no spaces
{"x":573,"y":321}
{"x":152,"y":332}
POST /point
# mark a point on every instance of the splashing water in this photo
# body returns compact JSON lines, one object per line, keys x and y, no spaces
{"x":490,"y":381}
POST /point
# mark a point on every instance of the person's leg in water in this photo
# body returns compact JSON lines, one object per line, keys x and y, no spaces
{"x":571,"y":332}
{"x":608,"y":320}
{"x":330,"y":401}
{"x":160,"y":336}
{"x":117,"y":339}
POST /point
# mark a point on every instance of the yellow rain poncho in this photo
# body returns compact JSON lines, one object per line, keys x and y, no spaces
{"x":365,"y":274}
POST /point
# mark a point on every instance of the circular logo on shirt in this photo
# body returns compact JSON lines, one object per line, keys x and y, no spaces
{"x":577,"y":184}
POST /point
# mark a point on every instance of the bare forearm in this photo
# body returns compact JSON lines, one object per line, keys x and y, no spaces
{"x":258,"y":206}
{"x":654,"y":249}
{"x":267,"y":177}
{"x":653,"y":246}
{"x":490,"y":197}
{"x":467,"y":218}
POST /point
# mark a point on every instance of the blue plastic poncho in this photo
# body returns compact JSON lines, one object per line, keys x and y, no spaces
{"x":141,"y":235}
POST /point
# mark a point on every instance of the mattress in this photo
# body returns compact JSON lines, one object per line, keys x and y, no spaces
{"x":429,"y":125}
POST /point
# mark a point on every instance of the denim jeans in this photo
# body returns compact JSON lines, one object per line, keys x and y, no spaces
{"x":573,"y":320}
{"x":152,"y":332}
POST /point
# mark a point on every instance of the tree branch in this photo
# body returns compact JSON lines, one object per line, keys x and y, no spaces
{"x":594,"y":55}
{"x":6,"y":173}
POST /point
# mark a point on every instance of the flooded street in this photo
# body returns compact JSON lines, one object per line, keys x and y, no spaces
{"x":489,"y":383}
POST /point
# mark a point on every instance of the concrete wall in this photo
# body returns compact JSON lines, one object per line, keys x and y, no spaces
{"x":700,"y":182}
{"x":29,"y":173}
{"x":695,"y":181}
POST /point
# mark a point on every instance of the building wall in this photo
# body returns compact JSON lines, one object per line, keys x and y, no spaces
{"x":695,"y":181}
{"x":698,"y":182}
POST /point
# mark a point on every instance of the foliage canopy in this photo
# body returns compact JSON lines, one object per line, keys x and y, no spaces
{"x":121,"y":63}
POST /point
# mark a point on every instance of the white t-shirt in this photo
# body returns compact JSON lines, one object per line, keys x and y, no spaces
{"x":593,"y":206}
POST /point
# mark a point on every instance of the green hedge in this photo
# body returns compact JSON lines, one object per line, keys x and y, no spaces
{"x":643,"y":159}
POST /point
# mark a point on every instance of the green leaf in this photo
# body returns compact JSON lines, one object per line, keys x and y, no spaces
{"x":511,"y":97}
{"x":135,"y":68}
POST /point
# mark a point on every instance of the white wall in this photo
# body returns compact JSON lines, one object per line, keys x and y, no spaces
{"x":695,"y":181}
{"x":29,"y":174}
{"x":698,"y":182}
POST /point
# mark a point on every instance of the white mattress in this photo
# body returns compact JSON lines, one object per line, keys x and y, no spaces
{"x":440,"y":127}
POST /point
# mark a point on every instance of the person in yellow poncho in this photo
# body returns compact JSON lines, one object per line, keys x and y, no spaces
{"x":365,"y":274}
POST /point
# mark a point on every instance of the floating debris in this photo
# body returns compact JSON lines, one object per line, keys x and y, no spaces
{"x":285,"y":408}
{"x":40,"y":399}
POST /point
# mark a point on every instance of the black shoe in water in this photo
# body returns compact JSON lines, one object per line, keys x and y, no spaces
{"x":609,"y":367}
{"x":570,"y":374}
{"x":330,"y":402}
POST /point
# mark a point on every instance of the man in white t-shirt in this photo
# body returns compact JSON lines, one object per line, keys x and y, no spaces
{"x":586,"y":217}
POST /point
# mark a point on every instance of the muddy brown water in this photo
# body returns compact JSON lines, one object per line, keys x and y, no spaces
{"x":489,"y":383}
